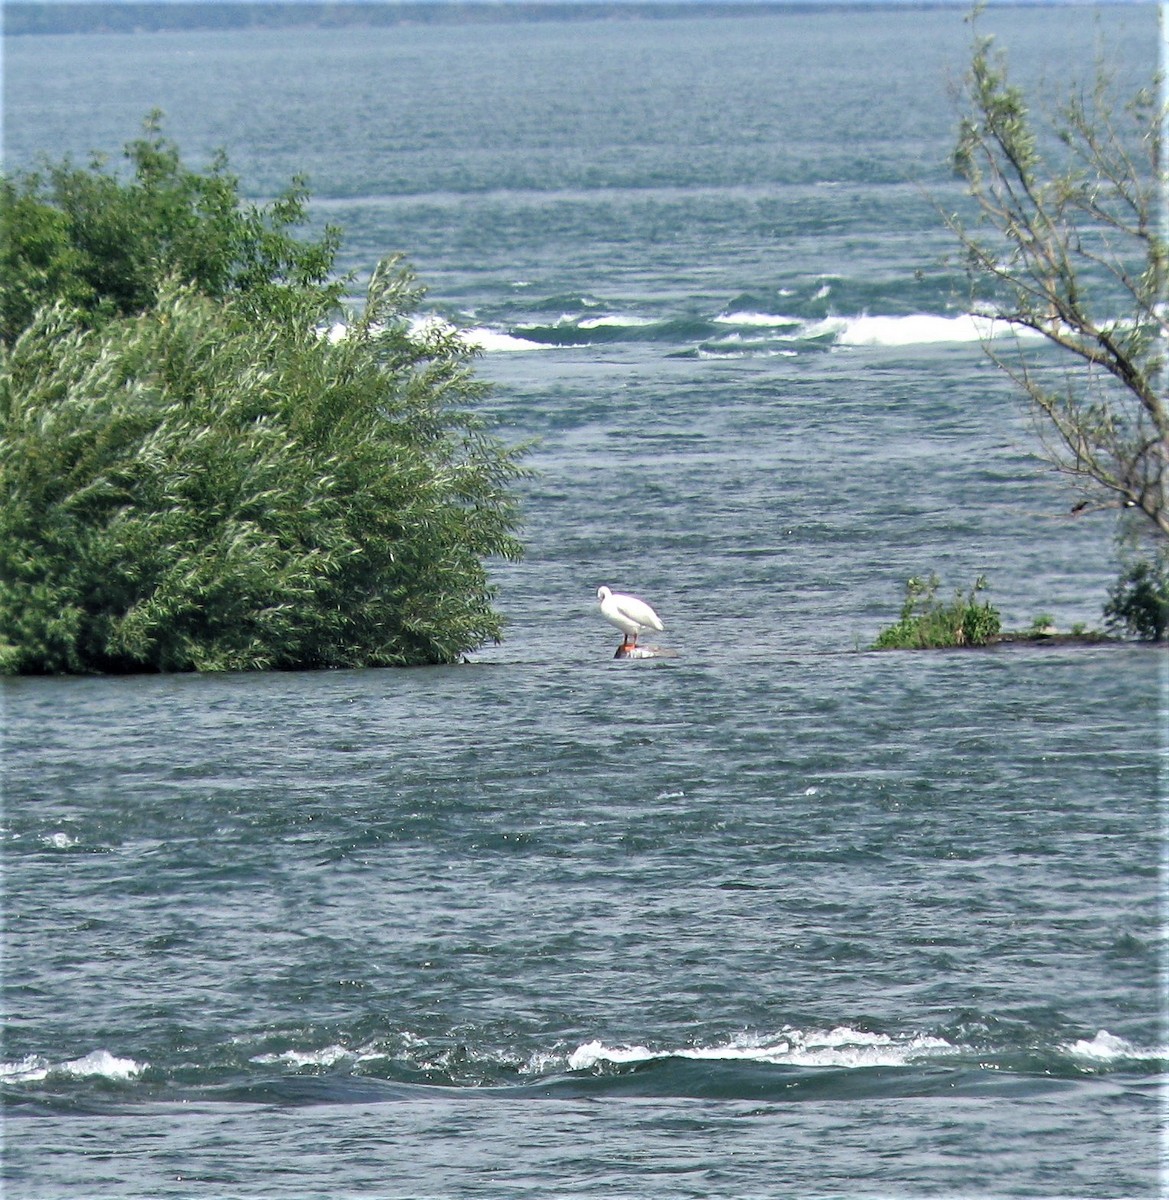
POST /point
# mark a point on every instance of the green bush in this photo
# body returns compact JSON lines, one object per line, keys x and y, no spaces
{"x":927,"y":623}
{"x":1138,"y":603}
{"x":193,"y":474}
{"x":195,"y":489}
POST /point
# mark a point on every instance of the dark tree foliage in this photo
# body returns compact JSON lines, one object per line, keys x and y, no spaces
{"x":195,"y":474}
{"x":1138,"y":603}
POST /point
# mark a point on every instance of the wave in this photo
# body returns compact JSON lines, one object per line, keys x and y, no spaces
{"x":1107,"y":1049}
{"x":326,"y":1057}
{"x":616,"y":321}
{"x":60,"y":841}
{"x":98,"y":1064}
{"x":840,"y":1047}
{"x":739,"y":333}
{"x":792,"y":1064}
{"x":567,"y":331}
{"x":732,"y":333}
{"x":491,"y":341}
{"x":921,"y":330}
{"x":752,"y":320}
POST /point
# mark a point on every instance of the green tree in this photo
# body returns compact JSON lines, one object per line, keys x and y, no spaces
{"x":106,"y":245}
{"x":1068,"y":244}
{"x":195,"y":474}
{"x":195,"y":488}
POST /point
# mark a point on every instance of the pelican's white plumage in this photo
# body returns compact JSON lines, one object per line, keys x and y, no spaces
{"x":631,"y":615}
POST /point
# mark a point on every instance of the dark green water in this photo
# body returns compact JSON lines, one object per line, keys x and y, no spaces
{"x":774,"y":917}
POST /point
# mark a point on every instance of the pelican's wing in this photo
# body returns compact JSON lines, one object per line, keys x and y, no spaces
{"x":637,"y":610}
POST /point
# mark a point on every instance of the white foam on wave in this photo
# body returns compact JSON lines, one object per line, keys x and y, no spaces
{"x":432,"y":328}
{"x":757,"y":319}
{"x":488,"y":341}
{"x":737,"y":348}
{"x":59,"y":841}
{"x":30,"y":1069}
{"x":97,"y":1064}
{"x":920,"y":329}
{"x":827,"y":329}
{"x":102,"y":1063}
{"x":327,"y":1056}
{"x":491,"y":341}
{"x":839,"y":1047}
{"x":1106,"y":1047}
{"x":540,"y":1063}
{"x":615,"y":321}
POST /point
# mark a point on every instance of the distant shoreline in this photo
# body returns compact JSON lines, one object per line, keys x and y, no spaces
{"x":158,"y":16}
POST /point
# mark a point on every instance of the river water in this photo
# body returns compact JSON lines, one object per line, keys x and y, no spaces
{"x":771,"y":916}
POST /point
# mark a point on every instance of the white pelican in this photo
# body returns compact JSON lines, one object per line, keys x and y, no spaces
{"x":628,"y":613}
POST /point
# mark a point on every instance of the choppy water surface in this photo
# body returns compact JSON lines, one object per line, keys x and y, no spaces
{"x":773,"y":917}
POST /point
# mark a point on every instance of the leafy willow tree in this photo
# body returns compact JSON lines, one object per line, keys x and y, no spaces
{"x":198,"y":477}
{"x":1069,"y":244}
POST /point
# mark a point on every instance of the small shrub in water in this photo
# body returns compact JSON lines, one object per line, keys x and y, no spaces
{"x":928,"y":623}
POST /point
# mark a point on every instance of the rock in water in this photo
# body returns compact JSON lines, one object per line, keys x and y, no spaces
{"x":627,"y":651}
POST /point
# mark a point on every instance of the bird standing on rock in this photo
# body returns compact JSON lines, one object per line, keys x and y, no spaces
{"x":631,"y":615}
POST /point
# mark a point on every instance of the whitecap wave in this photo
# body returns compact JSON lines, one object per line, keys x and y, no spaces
{"x":431,"y":328}
{"x":1107,"y":1048}
{"x":59,"y":841}
{"x":541,"y":1062}
{"x":839,"y":1047}
{"x":757,"y":319}
{"x":491,"y":341}
{"x":828,"y":329}
{"x":742,"y":350}
{"x":920,"y":329}
{"x":30,"y":1069}
{"x":104,"y":1064}
{"x":326,"y":1056}
{"x":96,"y":1064}
{"x":615,"y":322}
